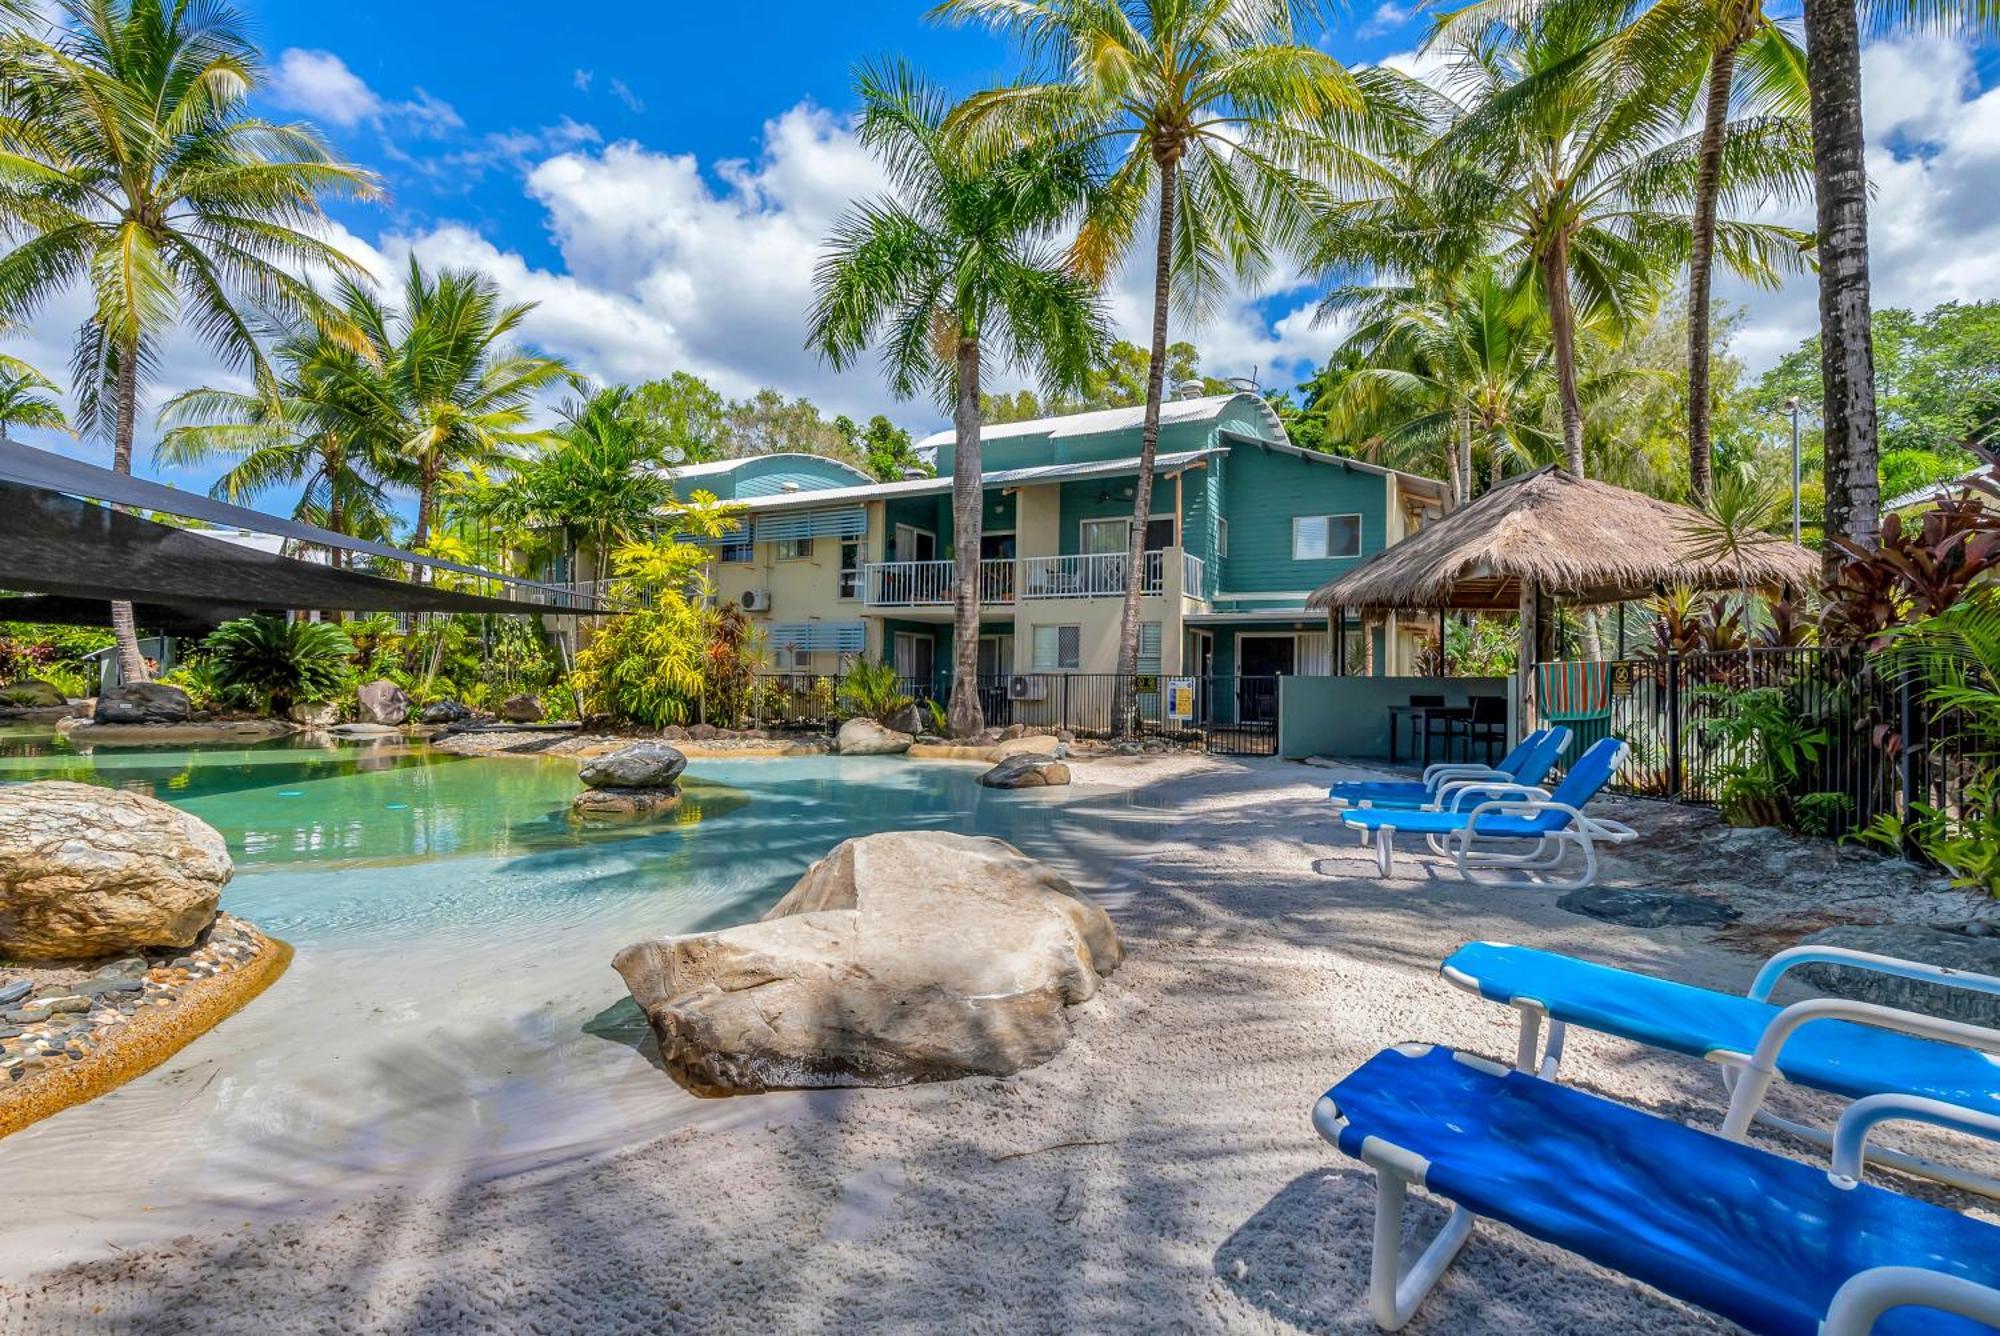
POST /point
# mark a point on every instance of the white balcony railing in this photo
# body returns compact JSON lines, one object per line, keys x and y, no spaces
{"x":1194,"y":576}
{"x":1098,"y":575}
{"x":928,"y":584}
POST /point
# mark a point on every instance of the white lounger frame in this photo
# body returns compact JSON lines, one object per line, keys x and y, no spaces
{"x":1396,"y":1290}
{"x":1747,"y":1097}
{"x":1470,"y":850}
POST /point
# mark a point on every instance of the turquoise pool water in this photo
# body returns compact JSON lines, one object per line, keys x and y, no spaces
{"x":451,"y":1013}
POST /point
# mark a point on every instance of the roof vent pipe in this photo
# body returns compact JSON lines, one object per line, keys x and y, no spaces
{"x":1188,"y":389}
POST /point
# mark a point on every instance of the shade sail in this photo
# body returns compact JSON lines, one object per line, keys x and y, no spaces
{"x":40,"y":468}
{"x":1587,"y":541}
{"x":56,"y":544}
{"x":172,"y":619}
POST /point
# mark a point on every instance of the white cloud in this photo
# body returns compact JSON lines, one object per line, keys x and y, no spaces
{"x":626,"y":95}
{"x":580,"y":80}
{"x":1387,"y":18}
{"x":319,"y":84}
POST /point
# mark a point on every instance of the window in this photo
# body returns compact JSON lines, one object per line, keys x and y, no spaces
{"x":737,"y":547}
{"x":1222,"y":538}
{"x":1105,"y":536}
{"x":1149,"y":649}
{"x":1160,"y":534}
{"x":794,"y":549}
{"x":850,"y":568}
{"x":1058,"y":647}
{"x":1316,"y":537}
{"x":790,"y":659}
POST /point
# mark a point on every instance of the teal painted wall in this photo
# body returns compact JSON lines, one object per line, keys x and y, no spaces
{"x":1080,"y":502}
{"x":1263,"y":491}
{"x":934,"y":513}
{"x":767,"y":475}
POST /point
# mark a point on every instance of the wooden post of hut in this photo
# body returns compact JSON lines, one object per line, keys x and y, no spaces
{"x":1530,"y":644}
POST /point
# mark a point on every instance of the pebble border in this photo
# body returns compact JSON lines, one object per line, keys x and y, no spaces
{"x":73,"y":1042}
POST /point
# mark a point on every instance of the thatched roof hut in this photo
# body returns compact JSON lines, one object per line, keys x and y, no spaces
{"x":1552,"y":533}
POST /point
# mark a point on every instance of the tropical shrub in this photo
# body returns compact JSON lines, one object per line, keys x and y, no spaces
{"x":277,"y":663}
{"x":1765,"y":745}
{"x":197,"y":676}
{"x":872,"y":689}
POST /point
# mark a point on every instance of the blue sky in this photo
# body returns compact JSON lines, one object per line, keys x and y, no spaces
{"x":657,"y":178}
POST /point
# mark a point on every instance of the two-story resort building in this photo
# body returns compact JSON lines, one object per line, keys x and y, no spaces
{"x":1244,"y":526}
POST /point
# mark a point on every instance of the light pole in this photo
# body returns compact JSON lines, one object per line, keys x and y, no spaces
{"x":1791,"y":410}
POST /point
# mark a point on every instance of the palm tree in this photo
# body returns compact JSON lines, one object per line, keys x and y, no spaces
{"x":313,"y":432}
{"x":128,"y":164}
{"x":450,"y":390}
{"x":1576,"y":165}
{"x":1441,"y":370}
{"x":961,"y":263}
{"x":1230,"y":130}
{"x":26,"y":399}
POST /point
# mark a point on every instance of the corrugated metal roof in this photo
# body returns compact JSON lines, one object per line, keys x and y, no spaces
{"x":1099,"y":421}
{"x":1163,"y":465}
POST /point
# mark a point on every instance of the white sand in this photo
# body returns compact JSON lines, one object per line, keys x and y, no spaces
{"x":1160,"y":1175}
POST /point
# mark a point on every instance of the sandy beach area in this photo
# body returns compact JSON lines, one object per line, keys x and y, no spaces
{"x":1160,"y":1174}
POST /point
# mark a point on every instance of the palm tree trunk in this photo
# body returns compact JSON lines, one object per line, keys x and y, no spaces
{"x":131,"y":663}
{"x":968,"y":503}
{"x":1847,"y":353}
{"x":1701,"y":266}
{"x":1562,"y":331}
{"x":1122,"y":707}
{"x":426,"y":490}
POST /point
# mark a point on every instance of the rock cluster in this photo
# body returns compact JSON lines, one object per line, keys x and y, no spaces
{"x":910,"y":956}
{"x":865,"y":737}
{"x":382,"y":702}
{"x":635,"y":781}
{"x":52,"y":1023}
{"x":1026,"y":770}
{"x":143,"y":703}
{"x":87,"y":872}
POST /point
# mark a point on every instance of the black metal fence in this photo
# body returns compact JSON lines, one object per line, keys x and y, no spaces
{"x":1233,"y":715}
{"x":1813,"y":738}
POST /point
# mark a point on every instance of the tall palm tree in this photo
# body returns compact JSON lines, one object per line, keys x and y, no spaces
{"x":1445,"y":370}
{"x":1840,"y":190}
{"x":129,"y":164}
{"x":451,"y":390}
{"x":313,"y":431}
{"x":1577,"y":165}
{"x":1229,"y":129}
{"x":960,"y":265}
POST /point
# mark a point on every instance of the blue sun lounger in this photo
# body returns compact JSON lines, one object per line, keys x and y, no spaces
{"x":1552,"y":823}
{"x":1845,"y":1048}
{"x":1769,"y":1243}
{"x":1446,"y":785}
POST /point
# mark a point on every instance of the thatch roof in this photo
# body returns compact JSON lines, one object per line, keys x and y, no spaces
{"x":1585,"y":542}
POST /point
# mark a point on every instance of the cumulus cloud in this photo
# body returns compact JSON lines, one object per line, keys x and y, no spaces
{"x":319,"y":84}
{"x":1387,"y":18}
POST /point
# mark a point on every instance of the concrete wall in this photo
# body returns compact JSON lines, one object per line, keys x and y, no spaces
{"x":1349,"y":716}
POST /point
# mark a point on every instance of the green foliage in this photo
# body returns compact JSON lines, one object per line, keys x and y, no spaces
{"x":278,"y":663}
{"x":687,"y":415}
{"x":1966,"y":843}
{"x":200,"y":676}
{"x":885,"y":449}
{"x":1116,"y":379}
{"x":873,"y":690}
{"x":27,"y":399}
{"x":1765,"y":744}
{"x":940,"y":719}
{"x":674,"y":658}
{"x":1822,"y":813}
{"x":1486,"y":647}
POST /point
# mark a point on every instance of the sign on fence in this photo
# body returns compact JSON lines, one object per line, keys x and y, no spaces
{"x":1180,"y":699}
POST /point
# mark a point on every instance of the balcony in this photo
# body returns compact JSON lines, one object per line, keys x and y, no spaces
{"x":928,"y":584}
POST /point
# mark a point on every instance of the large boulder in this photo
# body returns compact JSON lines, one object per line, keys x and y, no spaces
{"x":643,"y":765}
{"x":143,"y":703}
{"x":909,"y":719}
{"x":865,"y":737}
{"x":522,"y":709}
{"x":615,"y":804}
{"x":88,"y":871}
{"x":31,"y":693}
{"x":1973,"y":948}
{"x":382,"y":702}
{"x":910,"y":956}
{"x":444,"y":712}
{"x":1026,"y":771}
{"x":315,"y":714}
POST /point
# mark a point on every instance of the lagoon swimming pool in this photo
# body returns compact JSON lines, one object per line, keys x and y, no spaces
{"x":451,"y":1012}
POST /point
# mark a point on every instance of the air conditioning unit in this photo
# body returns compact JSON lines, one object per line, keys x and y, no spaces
{"x":756,"y":600}
{"x":1027,"y":686}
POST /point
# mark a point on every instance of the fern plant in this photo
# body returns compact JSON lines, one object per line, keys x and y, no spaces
{"x":278,"y":663}
{"x":873,"y":689}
